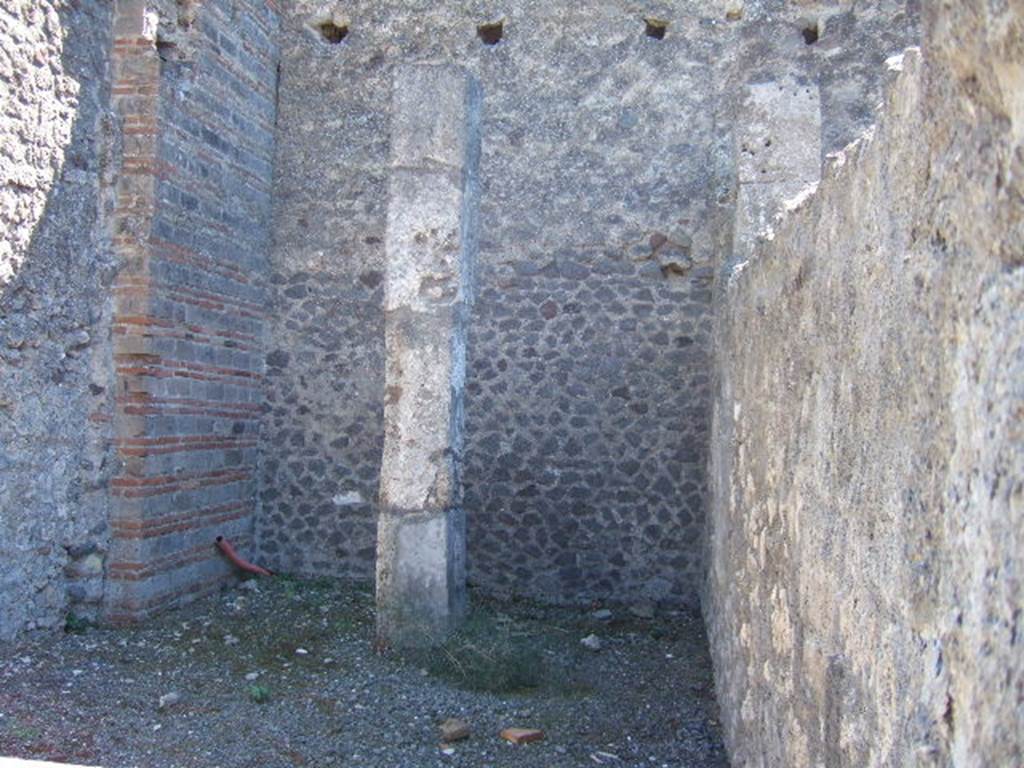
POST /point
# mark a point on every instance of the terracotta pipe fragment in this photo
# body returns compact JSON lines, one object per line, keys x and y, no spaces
{"x":229,"y":552}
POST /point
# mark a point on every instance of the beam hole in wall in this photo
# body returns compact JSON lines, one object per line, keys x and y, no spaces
{"x":187,"y":12}
{"x":491,"y":33}
{"x":165,"y":49}
{"x":810,"y":32}
{"x":655,"y":28}
{"x":333,"y":33}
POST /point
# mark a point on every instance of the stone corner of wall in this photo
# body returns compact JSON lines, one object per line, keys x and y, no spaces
{"x":901,"y":97}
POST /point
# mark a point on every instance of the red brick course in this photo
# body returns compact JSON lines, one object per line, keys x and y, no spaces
{"x":188,"y":306}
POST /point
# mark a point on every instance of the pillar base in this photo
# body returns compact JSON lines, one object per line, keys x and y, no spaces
{"x":421,"y":577}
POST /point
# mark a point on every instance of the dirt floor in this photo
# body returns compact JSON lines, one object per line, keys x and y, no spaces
{"x":282,"y":673}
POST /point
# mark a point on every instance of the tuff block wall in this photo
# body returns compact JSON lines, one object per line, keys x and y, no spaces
{"x":194,"y":87}
{"x":56,"y":142}
{"x":607,"y":195}
{"x":865,"y":539}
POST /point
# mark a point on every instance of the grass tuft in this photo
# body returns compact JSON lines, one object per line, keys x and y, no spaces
{"x":486,"y":654}
{"x":259,"y":693}
{"x":77,"y":625}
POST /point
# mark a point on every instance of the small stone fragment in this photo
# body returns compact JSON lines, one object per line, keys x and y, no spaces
{"x":675,"y":261}
{"x":168,"y":700}
{"x":642,"y":610}
{"x":602,"y":614}
{"x":301,"y":652}
{"x":90,"y":566}
{"x":592,"y":642}
{"x":230,"y":640}
{"x":252,"y":676}
{"x":522,"y":735}
{"x":454,"y":729}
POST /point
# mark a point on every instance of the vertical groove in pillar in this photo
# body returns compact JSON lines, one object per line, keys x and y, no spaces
{"x":430,"y":249}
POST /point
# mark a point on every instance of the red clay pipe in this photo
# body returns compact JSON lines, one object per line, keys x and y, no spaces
{"x":229,"y":552}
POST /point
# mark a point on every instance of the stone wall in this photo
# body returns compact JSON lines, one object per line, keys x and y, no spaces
{"x":194,"y":88}
{"x":55,"y":143}
{"x":607,"y":197}
{"x":136,"y":320}
{"x":596,"y":246}
{"x":322,"y":438}
{"x":867,"y":525}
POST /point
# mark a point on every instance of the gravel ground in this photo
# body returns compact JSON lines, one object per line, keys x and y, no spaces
{"x":282,"y":673}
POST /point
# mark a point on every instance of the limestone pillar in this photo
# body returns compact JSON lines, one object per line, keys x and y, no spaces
{"x":430,"y":248}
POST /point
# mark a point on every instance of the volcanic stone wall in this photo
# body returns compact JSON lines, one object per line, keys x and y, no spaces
{"x":55,"y":142}
{"x":587,"y":378}
{"x":607,"y":195}
{"x":588,"y":349}
{"x":194,"y":87}
{"x":138,"y":152}
{"x":867,"y":524}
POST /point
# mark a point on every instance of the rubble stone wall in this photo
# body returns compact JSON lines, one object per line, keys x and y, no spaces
{"x":593,"y":286}
{"x":607,"y":196}
{"x":55,"y":271}
{"x":141,"y":297}
{"x":867,"y":524}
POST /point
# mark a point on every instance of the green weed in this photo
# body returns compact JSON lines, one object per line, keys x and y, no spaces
{"x":259,"y":693}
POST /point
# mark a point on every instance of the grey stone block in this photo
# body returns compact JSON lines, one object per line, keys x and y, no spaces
{"x":426,"y":252}
{"x":424,"y":579}
{"x":435,"y":116}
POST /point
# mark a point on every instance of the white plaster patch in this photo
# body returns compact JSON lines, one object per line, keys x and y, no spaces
{"x":895,"y":63}
{"x":737,"y":271}
{"x":150,"y":24}
{"x":348,"y":499}
{"x":796,"y":202}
